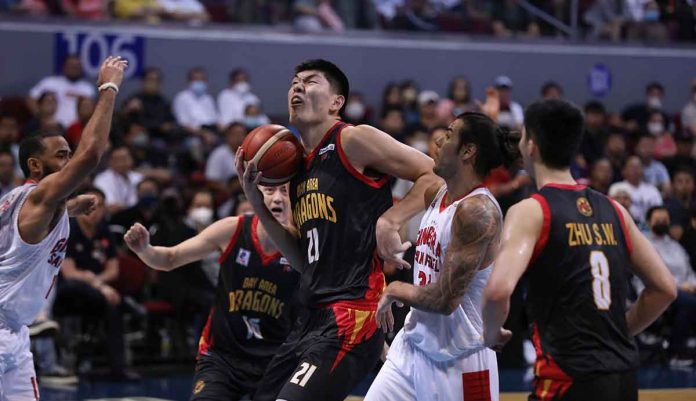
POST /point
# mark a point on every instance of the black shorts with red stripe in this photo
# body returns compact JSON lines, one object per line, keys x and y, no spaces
{"x":220,"y":377}
{"x":606,"y":387}
{"x":328,"y":352}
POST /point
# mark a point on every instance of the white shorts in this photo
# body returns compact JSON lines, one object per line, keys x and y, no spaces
{"x":409,"y":375}
{"x":17,"y":376}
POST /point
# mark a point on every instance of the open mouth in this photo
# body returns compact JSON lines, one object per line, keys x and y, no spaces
{"x":296,"y":101}
{"x":276,"y":210}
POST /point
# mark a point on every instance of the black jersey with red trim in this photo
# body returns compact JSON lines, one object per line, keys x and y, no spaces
{"x":335,"y":208}
{"x":254,"y":308}
{"x":578,"y":283}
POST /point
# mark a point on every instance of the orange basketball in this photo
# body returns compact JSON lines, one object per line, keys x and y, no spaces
{"x":276,"y":152}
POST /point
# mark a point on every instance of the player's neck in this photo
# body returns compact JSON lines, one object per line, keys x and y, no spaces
{"x":544,"y":175}
{"x":461,"y":184}
{"x":313,"y":133}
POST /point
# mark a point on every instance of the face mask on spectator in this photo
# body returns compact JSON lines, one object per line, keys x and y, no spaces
{"x":201,"y":215}
{"x":355,"y":111}
{"x":660,"y":229}
{"x":242,"y":87}
{"x":140,"y":139}
{"x":505,"y":119}
{"x":198,"y":87}
{"x":254,"y":121}
{"x":420,"y":145}
{"x":651,"y":15}
{"x":147,"y":201}
{"x":655,"y":128}
{"x":655,"y":102}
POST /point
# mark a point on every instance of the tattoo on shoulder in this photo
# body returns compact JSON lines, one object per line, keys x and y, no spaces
{"x":477,"y":219}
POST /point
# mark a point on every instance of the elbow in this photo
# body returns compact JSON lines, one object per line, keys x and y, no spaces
{"x":671,"y":291}
{"x":496,"y":294}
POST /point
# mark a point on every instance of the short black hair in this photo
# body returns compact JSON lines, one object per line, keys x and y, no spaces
{"x":150,"y":180}
{"x":234,"y":124}
{"x":237,"y":71}
{"x":32,"y":146}
{"x":492,"y":142}
{"x":595,"y":107}
{"x":194,"y":70}
{"x":7,"y":151}
{"x":390,"y":109}
{"x":654,"y":85}
{"x":153,"y":70}
{"x":551,"y":85}
{"x":652,"y":211}
{"x":682,"y":169}
{"x":92,"y":190}
{"x":556,"y":126}
{"x":337,"y":79}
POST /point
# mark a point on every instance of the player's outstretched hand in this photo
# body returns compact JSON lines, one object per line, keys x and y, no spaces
{"x":112,"y":70}
{"x":137,"y":238}
{"x":502,"y":338}
{"x":384,"y":315}
{"x":249,"y":178}
{"x":389,"y":244}
{"x":81,"y":204}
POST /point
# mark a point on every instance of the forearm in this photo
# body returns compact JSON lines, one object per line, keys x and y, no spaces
{"x":649,"y":306}
{"x":95,"y":136}
{"x":158,"y":257}
{"x":412,"y":203}
{"x":110,"y":274}
{"x":283,"y":239}
{"x":495,"y":312}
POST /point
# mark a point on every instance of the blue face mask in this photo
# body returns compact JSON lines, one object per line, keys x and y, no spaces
{"x":198,"y":87}
{"x":253,"y":122}
{"x":147,"y":201}
{"x":651,"y":16}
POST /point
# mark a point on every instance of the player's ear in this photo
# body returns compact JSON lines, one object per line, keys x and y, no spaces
{"x":338,"y":102}
{"x":468,"y":151}
{"x":35,"y":165}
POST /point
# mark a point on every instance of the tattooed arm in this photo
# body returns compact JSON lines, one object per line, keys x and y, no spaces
{"x":475,"y":235}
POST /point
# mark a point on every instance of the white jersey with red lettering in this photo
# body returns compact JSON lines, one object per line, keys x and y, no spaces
{"x":445,"y":337}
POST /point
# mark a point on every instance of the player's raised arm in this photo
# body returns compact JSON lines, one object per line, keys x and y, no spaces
{"x":475,"y":233}
{"x":660,"y":288}
{"x":521,"y":231}
{"x":369,"y":148}
{"x":38,"y":212}
{"x":214,"y":237}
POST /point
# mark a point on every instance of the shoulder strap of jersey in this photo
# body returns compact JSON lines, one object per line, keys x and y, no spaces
{"x":234,"y":238}
{"x":545,"y":228}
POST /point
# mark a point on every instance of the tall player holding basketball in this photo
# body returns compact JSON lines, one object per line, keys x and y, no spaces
{"x":575,"y":245}
{"x":342,"y":209}
{"x":34,"y":230}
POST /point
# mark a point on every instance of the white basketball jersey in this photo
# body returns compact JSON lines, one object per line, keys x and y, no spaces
{"x":27,"y":271}
{"x":445,"y":337}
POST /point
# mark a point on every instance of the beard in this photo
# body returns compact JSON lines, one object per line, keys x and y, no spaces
{"x":48,"y":171}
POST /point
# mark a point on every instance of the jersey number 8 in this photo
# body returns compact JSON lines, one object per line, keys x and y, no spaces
{"x":600,"y":280}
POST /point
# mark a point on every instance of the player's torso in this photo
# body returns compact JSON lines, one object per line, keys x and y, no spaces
{"x":254,"y":305}
{"x":27,"y":271}
{"x":445,"y":337}
{"x":335,"y":209}
{"x":578,"y":283}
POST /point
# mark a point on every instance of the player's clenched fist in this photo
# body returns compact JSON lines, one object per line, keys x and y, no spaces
{"x":137,"y":238}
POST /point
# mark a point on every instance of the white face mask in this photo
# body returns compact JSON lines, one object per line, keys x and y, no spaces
{"x":655,"y":128}
{"x":420,"y":145}
{"x":201,"y":215}
{"x":355,"y":111}
{"x":242,"y":87}
{"x":505,"y":119}
{"x":655,"y":102}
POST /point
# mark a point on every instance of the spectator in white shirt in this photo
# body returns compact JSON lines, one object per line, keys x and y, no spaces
{"x":654,"y":172}
{"x":688,"y":114}
{"x":119,"y":182}
{"x":194,"y":108}
{"x":184,"y":10}
{"x":511,"y":114}
{"x":643,"y":195}
{"x":67,"y":87}
{"x":221,"y":163}
{"x":233,"y":100}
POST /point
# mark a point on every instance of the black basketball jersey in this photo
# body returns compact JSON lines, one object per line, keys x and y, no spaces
{"x":336,"y":208}
{"x":253,"y":309}
{"x":578,"y":283}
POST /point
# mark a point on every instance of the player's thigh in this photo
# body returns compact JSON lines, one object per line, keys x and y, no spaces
{"x":19,"y":382}
{"x":277,"y":372}
{"x":391,"y":385}
{"x":479,"y":375}
{"x":617,"y":386}
{"x":214,"y":380}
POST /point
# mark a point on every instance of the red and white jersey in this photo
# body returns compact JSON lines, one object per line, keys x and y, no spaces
{"x":445,"y":337}
{"x":27,"y":271}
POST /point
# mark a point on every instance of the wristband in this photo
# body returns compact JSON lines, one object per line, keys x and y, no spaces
{"x":108,"y":85}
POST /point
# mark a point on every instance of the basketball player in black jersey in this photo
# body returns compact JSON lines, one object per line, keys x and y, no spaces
{"x":342,"y":208}
{"x":253,"y":307}
{"x":575,"y":247}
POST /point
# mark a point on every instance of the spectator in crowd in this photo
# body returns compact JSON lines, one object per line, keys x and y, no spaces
{"x":220,"y":167}
{"x":654,"y":171}
{"x":391,"y":97}
{"x":86,"y":9}
{"x":85,"y":108}
{"x":200,"y":215}
{"x":616,"y":153}
{"x":511,"y":114}
{"x":636,"y":116}
{"x":458,"y":100}
{"x":356,"y":111}
{"x":195,"y":109}
{"x":184,"y":10}
{"x":119,"y":182}
{"x":644,"y":24}
{"x":664,"y":142}
{"x":595,"y":137}
{"x":601,"y":175}
{"x":241,"y":206}
{"x":643,"y":195}
{"x":410,"y":15}
{"x":254,"y":116}
{"x":233,"y":100}
{"x":149,"y":10}
{"x":67,"y":87}
{"x":8,"y":179}
{"x":89,"y":272}
{"x":622,"y":193}
{"x":9,"y":137}
{"x":677,"y":261}
{"x":606,"y":18}
{"x":427,"y":113}
{"x":688,"y":240}
{"x":143,"y":212}
{"x":509,"y":19}
{"x":551,"y":90}
{"x":316,"y":16}
{"x":409,"y":100}
{"x":156,"y":111}
{"x":688,"y":114}
{"x":681,"y":202}
{"x":45,"y":118}
{"x":683,"y":157}
{"x":393,"y":122}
